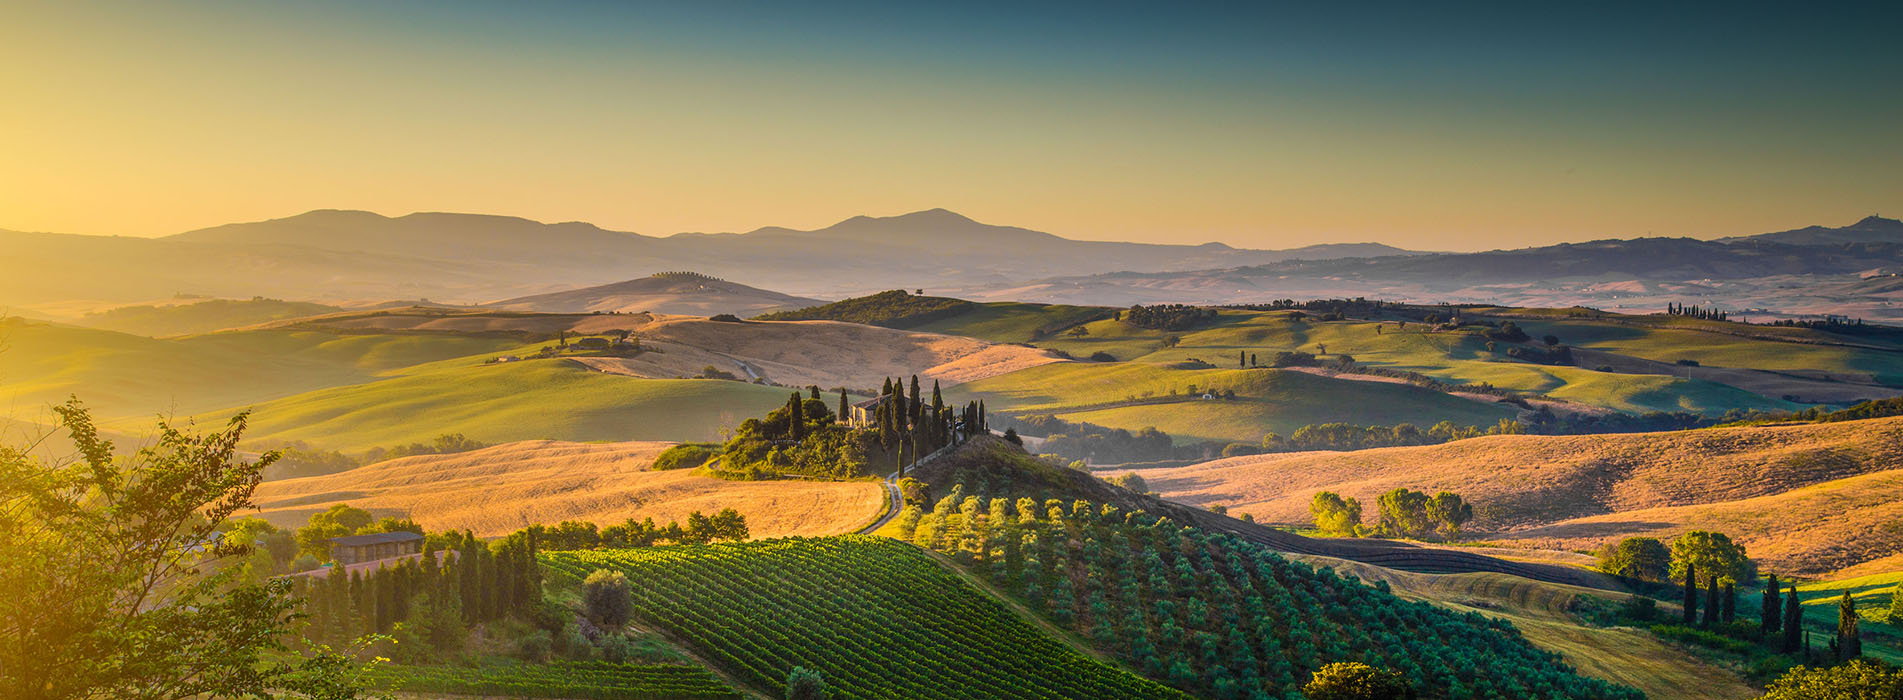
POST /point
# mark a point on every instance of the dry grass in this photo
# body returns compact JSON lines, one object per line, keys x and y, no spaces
{"x":499,"y":489}
{"x":1805,"y":498}
{"x":1541,"y":611}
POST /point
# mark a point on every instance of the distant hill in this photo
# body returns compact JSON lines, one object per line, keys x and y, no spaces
{"x":1797,"y":273}
{"x":893,"y":309}
{"x":664,"y":292}
{"x":356,"y":255}
{"x":158,"y":320}
{"x":1872,"y":229}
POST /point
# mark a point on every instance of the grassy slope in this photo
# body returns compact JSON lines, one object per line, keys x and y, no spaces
{"x":533,"y":399}
{"x":492,"y":491}
{"x":1872,"y":595}
{"x":1781,"y":490}
{"x":1673,"y":344}
{"x":200,"y":317}
{"x":1012,"y":322}
{"x":1451,"y":357}
{"x":125,"y":376}
{"x":1541,"y":611}
{"x":1266,"y":400}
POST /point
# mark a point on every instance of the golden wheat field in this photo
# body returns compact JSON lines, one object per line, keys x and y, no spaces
{"x":1786,"y":491}
{"x":495,"y":490}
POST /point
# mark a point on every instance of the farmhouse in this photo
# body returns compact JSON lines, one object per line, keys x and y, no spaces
{"x":865,"y":414}
{"x":354,"y":549}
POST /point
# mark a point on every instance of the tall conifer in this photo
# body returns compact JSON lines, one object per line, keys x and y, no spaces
{"x":1771,"y":618}
{"x":1691,"y":593}
{"x":1793,"y":622}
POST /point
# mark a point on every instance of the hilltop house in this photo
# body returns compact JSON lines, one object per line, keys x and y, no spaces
{"x":355,"y":549}
{"x":865,"y":414}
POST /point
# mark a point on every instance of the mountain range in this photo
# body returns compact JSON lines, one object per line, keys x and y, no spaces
{"x":344,"y":256}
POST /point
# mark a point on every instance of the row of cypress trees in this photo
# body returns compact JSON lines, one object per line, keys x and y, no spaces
{"x":911,"y":428}
{"x":478,"y":581}
{"x":1780,"y":617}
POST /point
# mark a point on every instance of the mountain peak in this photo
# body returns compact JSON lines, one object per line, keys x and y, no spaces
{"x":1874,"y":221}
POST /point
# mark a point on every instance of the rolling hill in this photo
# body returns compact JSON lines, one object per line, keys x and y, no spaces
{"x":1782,"y":491}
{"x":194,"y":317}
{"x":663,"y":293}
{"x":492,"y":491}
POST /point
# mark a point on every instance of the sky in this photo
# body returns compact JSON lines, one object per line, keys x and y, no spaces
{"x":1267,"y":125}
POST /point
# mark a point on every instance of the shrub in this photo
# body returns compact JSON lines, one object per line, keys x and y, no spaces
{"x":535,"y":646}
{"x":605,"y":596}
{"x":1101,"y":356}
{"x":683,"y":456}
{"x":724,"y":318}
{"x":1356,"y":681}
{"x":805,"y":684}
{"x":1857,"y":680}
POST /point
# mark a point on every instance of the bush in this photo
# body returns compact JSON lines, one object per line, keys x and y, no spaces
{"x":535,"y":646}
{"x":1857,"y":680}
{"x":724,"y":318}
{"x":1101,"y":356}
{"x":1641,"y":558}
{"x":605,"y":597}
{"x":1356,"y":681}
{"x":683,"y":456}
{"x":805,"y":684}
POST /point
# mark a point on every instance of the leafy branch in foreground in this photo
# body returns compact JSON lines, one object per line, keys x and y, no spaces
{"x":116,"y":584}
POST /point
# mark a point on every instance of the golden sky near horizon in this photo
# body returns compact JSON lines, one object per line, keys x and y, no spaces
{"x":150,"y":119}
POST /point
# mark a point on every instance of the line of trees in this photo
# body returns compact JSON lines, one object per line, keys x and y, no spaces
{"x":728,"y":524}
{"x":1402,"y":512}
{"x":909,"y":428}
{"x":1694,"y":311}
{"x":1166,"y":317}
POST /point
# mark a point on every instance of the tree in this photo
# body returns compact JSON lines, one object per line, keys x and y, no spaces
{"x":1729,"y":611}
{"x":115,"y":579}
{"x":1404,"y":514}
{"x":339,"y":520}
{"x":1793,"y":622}
{"x":1771,"y":617}
{"x":1857,"y":680}
{"x":1849,"y":639}
{"x":1132,"y":482}
{"x":1336,"y":515}
{"x":1356,"y":681}
{"x":805,"y":684}
{"x":1448,"y":513}
{"x":1691,"y":594}
{"x":605,"y":595}
{"x":1711,"y":601}
{"x":1712,"y":553}
{"x":915,"y":492}
{"x":844,"y":407}
{"x":1011,"y":436}
{"x":796,"y":417}
{"x":1896,"y":605}
{"x":1641,"y":558}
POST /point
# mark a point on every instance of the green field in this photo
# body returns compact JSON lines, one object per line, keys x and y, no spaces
{"x":551,"y":399}
{"x":1882,"y":637}
{"x":125,"y":376}
{"x":1134,"y":395}
{"x":597,"y":680}
{"x":877,"y":618}
{"x":1012,"y":322}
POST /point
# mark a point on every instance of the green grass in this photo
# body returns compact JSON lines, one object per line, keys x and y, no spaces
{"x":877,"y":618}
{"x":1266,"y":400}
{"x":1013,"y":322}
{"x":1462,"y":358}
{"x":532,"y":399}
{"x":1881,"y":639}
{"x":1721,"y":350}
{"x":558,"y":679}
{"x":125,"y":376}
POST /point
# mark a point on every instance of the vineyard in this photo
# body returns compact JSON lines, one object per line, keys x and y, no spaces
{"x":878,"y":618}
{"x":589,"y":680}
{"x":1224,"y":618}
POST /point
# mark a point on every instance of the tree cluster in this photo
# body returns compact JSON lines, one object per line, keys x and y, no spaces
{"x":1694,"y":311}
{"x":728,"y":524}
{"x":1166,"y":317}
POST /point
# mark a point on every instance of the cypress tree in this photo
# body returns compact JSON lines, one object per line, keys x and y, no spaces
{"x":1793,"y":622}
{"x":1730,"y":609}
{"x":815,"y":390}
{"x":914,"y":411}
{"x":1242,"y":359}
{"x":984,"y":421}
{"x":938,"y":416}
{"x":796,"y":417}
{"x":887,"y":389}
{"x":1691,"y":593}
{"x":843,"y":406}
{"x":1849,"y":640}
{"x":1769,"y":621}
{"x":1711,"y":601}
{"x":385,"y":585}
